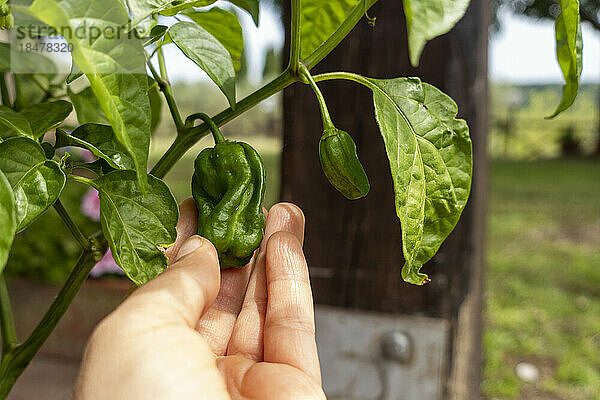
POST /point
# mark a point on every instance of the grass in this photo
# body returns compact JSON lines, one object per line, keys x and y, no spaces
{"x":543,"y":280}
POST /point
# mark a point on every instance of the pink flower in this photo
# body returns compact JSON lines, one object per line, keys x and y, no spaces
{"x":106,"y":266}
{"x":90,"y":204}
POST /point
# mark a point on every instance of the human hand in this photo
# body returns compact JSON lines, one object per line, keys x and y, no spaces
{"x":196,"y":332}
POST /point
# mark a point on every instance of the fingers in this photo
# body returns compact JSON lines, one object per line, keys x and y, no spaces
{"x":186,"y":226}
{"x":247,"y":336}
{"x":289,"y":330}
{"x":182,"y":293}
{"x":217,"y":324}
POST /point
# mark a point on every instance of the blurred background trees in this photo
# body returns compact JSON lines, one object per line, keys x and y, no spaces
{"x":549,"y":9}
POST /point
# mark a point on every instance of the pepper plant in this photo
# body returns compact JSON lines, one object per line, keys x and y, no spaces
{"x":113,"y":43}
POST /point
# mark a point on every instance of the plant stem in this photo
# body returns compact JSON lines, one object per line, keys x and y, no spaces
{"x":331,"y":43}
{"x":7,"y":323}
{"x":295,"y":36}
{"x":85,"y":181}
{"x":161,"y":65}
{"x":77,"y":234}
{"x":15,"y":361}
{"x":4,"y":90}
{"x":165,"y":87}
{"x":185,"y":141}
{"x":217,"y":135}
{"x":327,"y":123}
{"x":348,"y":76}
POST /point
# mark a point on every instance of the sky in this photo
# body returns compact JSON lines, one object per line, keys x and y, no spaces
{"x":522,"y":52}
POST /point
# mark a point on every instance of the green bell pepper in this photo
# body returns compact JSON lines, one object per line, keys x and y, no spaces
{"x":229,"y":186}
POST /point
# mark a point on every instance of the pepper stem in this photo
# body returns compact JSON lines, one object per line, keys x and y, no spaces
{"x":327,"y":122}
{"x":217,"y":135}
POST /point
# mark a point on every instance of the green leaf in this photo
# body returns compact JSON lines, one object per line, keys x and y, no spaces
{"x":73,"y":74}
{"x":45,"y":116}
{"x":141,"y":9}
{"x":8,"y":219}
{"x":15,"y":121}
{"x":225,"y":27}
{"x":36,"y":119}
{"x":155,"y":35}
{"x":431,"y":163}
{"x":427,"y":19}
{"x":144,"y":28}
{"x":36,"y":181}
{"x":251,"y":6}
{"x":208,"y":53}
{"x":569,"y":51}
{"x":100,"y":140}
{"x":114,"y":67}
{"x":28,"y":89}
{"x":136,"y":225}
{"x":320,"y":19}
{"x":25,"y":62}
{"x":86,"y":106}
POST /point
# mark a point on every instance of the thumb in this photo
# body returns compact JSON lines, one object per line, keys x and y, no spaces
{"x":185,"y":290}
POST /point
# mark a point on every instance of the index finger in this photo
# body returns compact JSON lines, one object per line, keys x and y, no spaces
{"x":186,"y":226}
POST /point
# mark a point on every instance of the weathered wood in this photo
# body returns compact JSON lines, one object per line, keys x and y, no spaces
{"x":354,"y":248}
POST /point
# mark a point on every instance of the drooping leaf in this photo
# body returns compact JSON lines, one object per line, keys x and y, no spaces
{"x":36,"y":181}
{"x":100,"y":140}
{"x":86,"y":106}
{"x":427,"y":19}
{"x":208,"y":53}
{"x":36,"y":119}
{"x":569,"y":51}
{"x":251,"y":6}
{"x":225,"y":27}
{"x":8,"y":219}
{"x":115,"y":66}
{"x":430,"y":157}
{"x":141,"y":9}
{"x":136,"y":225}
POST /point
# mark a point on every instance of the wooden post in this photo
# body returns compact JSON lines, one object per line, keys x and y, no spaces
{"x":354,"y":248}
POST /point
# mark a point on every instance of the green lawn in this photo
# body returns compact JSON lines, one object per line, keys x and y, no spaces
{"x":543,"y":279}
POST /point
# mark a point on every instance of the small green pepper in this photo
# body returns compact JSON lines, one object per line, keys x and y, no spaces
{"x":337,"y":151}
{"x":228,"y":186}
{"x":341,"y":165}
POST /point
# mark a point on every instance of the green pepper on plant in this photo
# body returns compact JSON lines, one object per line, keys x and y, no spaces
{"x":337,"y":152}
{"x":228,"y":186}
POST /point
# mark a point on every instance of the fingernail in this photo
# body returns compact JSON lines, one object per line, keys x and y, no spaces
{"x":190,"y":245}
